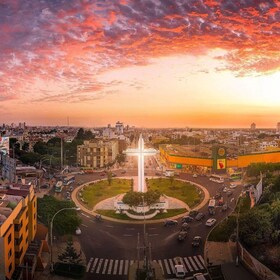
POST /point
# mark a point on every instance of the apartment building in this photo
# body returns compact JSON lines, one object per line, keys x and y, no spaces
{"x":18,"y":225}
{"x":97,"y":154}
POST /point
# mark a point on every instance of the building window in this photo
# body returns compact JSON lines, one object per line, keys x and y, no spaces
{"x":26,"y":215}
{"x":9,"y":239}
{"x":26,"y":228}
{"x":10,"y":267}
{"x":10,"y":253}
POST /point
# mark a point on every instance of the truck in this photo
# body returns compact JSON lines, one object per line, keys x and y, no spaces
{"x":211,"y":206}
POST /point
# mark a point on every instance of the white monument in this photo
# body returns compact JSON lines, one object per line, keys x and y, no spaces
{"x":141,"y":152}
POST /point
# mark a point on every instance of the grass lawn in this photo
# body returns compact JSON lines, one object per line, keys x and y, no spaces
{"x":184,"y":191}
{"x":170,"y":213}
{"x":94,"y":193}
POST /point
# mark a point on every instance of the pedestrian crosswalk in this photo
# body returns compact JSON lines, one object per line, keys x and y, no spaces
{"x":192,"y":264}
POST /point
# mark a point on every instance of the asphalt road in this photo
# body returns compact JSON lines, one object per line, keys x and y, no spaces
{"x":109,"y":247}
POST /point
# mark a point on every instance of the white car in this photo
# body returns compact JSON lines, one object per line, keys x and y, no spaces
{"x":232,"y":186}
{"x":194,"y":175}
{"x":180,"y":271}
{"x":210,"y":222}
{"x":78,"y":231}
{"x":225,"y":189}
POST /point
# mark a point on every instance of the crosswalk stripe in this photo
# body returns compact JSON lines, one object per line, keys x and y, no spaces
{"x":198,"y":262}
{"x":110,"y":267}
{"x":94,"y":265}
{"x":160,"y":263}
{"x":116,"y":267}
{"x":171,"y":265}
{"x":99,"y":266}
{"x":105,"y":266}
{"x":193,"y":263}
{"x":188,"y":264}
{"x":166,"y":266}
{"x":201,"y":260}
{"x":126,"y":267}
{"x":89,"y":264}
{"x":121,"y":267}
{"x":131,"y":262}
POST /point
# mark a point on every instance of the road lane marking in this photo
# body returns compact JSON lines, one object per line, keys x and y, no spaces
{"x":198,"y":262}
{"x":188,"y":264}
{"x":121,"y":267}
{"x":99,"y":266}
{"x":171,"y":265}
{"x":84,"y":225}
{"x":116,"y":267}
{"x":193,"y":263}
{"x":160,"y":263}
{"x":127,"y":234}
{"x":105,"y":266}
{"x":89,"y":264}
{"x":109,"y":226}
{"x":202,"y":260}
{"x":85,"y":215}
{"x":166,"y":266}
{"x":110,"y":266}
{"x":126,"y":267}
{"x":94,"y":265}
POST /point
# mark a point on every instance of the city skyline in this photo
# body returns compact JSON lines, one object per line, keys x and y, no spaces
{"x":201,"y":64}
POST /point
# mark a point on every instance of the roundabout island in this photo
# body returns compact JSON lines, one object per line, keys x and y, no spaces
{"x":139,"y":198}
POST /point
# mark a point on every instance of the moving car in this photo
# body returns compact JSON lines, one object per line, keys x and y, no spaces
{"x":187,"y":219}
{"x":180,"y":271}
{"x":210,"y":222}
{"x":193,"y":213}
{"x":185,"y":226}
{"x":170,"y":223}
{"x":196,"y":241}
{"x":78,"y":231}
{"x":218,"y":195}
{"x":229,"y":193}
{"x":199,"y":216}
{"x":182,"y":235}
{"x":194,"y":175}
{"x":232,"y":186}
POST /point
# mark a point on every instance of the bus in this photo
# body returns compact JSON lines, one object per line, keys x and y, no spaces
{"x":217,"y":178}
{"x":58,"y":187}
{"x":68,"y":180}
{"x":211,"y":206}
{"x":235,"y":176}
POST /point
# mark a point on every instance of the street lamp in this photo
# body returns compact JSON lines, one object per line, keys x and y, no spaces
{"x":51,"y":228}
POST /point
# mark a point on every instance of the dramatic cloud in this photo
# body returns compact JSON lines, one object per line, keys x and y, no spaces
{"x":68,"y":44}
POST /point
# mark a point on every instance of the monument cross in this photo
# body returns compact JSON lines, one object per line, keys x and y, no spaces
{"x":141,"y":152}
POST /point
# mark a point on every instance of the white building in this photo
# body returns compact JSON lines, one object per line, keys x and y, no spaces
{"x":119,"y":128}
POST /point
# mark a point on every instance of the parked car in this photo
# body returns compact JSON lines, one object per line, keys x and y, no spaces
{"x":71,"y":188}
{"x":180,"y":271}
{"x":168,"y":223}
{"x":187,"y":219}
{"x":210,"y":222}
{"x":194,"y":175}
{"x":225,"y":189}
{"x":182,"y":235}
{"x":232,"y":186}
{"x":199,"y":276}
{"x":196,"y":241}
{"x":199,"y":216}
{"x":224,"y":207}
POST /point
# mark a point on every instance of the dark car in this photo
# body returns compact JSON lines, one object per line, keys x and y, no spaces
{"x":196,"y":241}
{"x":229,"y":193}
{"x":185,"y":226}
{"x":218,"y":195}
{"x":45,"y":186}
{"x":123,"y":172}
{"x":193,"y":213}
{"x":199,"y":216}
{"x":168,"y":223}
{"x":182,"y":235}
{"x":187,"y":219}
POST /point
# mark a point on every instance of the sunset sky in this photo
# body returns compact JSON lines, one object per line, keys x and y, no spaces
{"x":152,"y":63}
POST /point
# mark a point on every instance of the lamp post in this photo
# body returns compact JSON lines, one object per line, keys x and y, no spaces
{"x":51,"y":228}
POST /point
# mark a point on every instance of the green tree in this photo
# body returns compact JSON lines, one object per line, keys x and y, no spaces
{"x":40,"y":148}
{"x":70,"y":254}
{"x":65,"y":222}
{"x":29,"y":157}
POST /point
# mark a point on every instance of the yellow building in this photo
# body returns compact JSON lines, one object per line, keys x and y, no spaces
{"x":18,"y":224}
{"x":217,"y":160}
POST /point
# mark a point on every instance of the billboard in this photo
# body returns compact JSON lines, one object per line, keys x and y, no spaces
{"x":4,"y":145}
{"x":258,"y":190}
{"x":221,"y":163}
